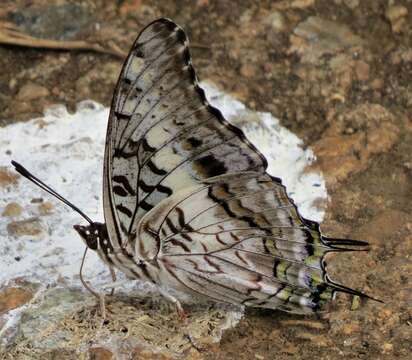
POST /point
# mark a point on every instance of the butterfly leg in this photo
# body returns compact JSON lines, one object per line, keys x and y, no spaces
{"x":99,"y":296}
{"x":172,"y":299}
{"x":82,"y":279}
{"x":113,"y":274}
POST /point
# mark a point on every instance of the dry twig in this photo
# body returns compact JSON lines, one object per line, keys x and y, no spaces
{"x":10,"y":35}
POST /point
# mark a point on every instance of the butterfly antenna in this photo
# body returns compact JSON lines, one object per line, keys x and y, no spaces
{"x":25,"y":173}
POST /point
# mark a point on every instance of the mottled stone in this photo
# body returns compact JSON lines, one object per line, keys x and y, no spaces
{"x":60,"y":354}
{"x":30,"y":227}
{"x":315,"y":339}
{"x":302,"y":4}
{"x":13,"y":297}
{"x":46,"y":208}
{"x":377,"y":84}
{"x":352,"y":4}
{"x":294,"y":4}
{"x":350,"y":328}
{"x":108,"y":73}
{"x":145,"y":354}
{"x":37,"y":321}
{"x":368,"y":130}
{"x":100,"y":353}
{"x":6,"y":177}
{"x":248,"y":70}
{"x":316,"y":325}
{"x":138,"y":327}
{"x":130,"y":7}
{"x":402,"y":55}
{"x":316,"y":37}
{"x":12,"y":209}
{"x":397,"y":15}
{"x":362,"y":70}
{"x":12,"y":83}
{"x":56,"y":21}
{"x":381,"y":226}
{"x":387,"y":348}
{"x":276,"y":21}
{"x":31,"y":91}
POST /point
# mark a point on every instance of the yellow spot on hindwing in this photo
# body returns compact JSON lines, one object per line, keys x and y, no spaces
{"x":281,"y":269}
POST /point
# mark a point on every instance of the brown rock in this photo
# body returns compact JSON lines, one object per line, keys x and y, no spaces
{"x":401,"y":55}
{"x":316,"y":37}
{"x":30,"y":227}
{"x":100,"y":353}
{"x":352,"y":4}
{"x":21,"y":107}
{"x":350,"y":328}
{"x":46,"y":208}
{"x":140,"y":353}
{"x":377,"y":84}
{"x":60,"y":354}
{"x":295,"y":4}
{"x":12,"y":209}
{"x":362,"y":70}
{"x":276,"y":20}
{"x":315,"y":339}
{"x":302,"y":4}
{"x":387,"y":348}
{"x":13,"y":297}
{"x":7,"y":177}
{"x":382,"y":225}
{"x":349,"y":143}
{"x":12,"y":83}
{"x":31,"y":91}
{"x":248,"y":71}
{"x":397,"y":14}
{"x":316,"y":325}
{"x":130,"y":7}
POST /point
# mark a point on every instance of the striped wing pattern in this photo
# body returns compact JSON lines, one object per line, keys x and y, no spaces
{"x":163,"y":135}
{"x":187,"y":200}
{"x":238,"y":238}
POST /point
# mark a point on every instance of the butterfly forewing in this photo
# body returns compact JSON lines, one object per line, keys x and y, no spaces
{"x":162,"y":134}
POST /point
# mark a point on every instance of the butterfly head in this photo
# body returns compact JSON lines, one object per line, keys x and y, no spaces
{"x":93,"y":235}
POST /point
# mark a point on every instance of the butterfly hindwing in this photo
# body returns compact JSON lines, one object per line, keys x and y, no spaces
{"x":238,"y":238}
{"x":162,"y":134}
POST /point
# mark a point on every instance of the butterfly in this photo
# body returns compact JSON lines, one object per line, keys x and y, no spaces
{"x":188,"y":204}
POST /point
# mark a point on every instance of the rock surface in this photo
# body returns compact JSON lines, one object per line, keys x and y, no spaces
{"x":321,"y":95}
{"x":31,"y":227}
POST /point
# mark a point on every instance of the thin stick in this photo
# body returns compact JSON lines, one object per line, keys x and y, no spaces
{"x":11,"y":36}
